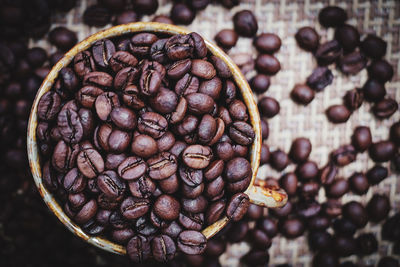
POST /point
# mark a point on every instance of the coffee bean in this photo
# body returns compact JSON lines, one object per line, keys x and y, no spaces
{"x":373,"y":46}
{"x":256,"y":257}
{"x":133,"y":208}
{"x":320,"y":240}
{"x":338,"y":188}
{"x":74,"y":182}
{"x":226,"y":38}
{"x":332,"y":16}
{"x":268,"y":106}
{"x":192,"y":242}
{"x":62,"y":38}
{"x":385,"y":108}
{"x":245,"y":23}
{"x":260,"y":83}
{"x":356,"y":213}
{"x":338,"y":113}
{"x":195,"y":205}
{"x":179,"y":47}
{"x":144,"y":146}
{"x":344,"y":155}
{"x":237,"y":206}
{"x":162,"y":165}
{"x":242,"y":133}
{"x":90,"y":163}
{"x":267,"y":43}
{"x":307,"y":38}
{"x":132,"y":168}
{"x":353,"y":99}
{"x":348,"y":37}
{"x":49,"y":105}
{"x":163,"y":19}
{"x":362,"y":138}
{"x":279,"y":160}
{"x":126,"y":17}
{"x":302,"y":94}
{"x":344,"y":246}
{"x":289,"y":183}
{"x":166,"y":207}
{"x":87,"y":212}
{"x":378,"y":207}
{"x":163,"y":248}
{"x":374,"y":91}
{"x":300,"y":149}
{"x":84,"y":63}
{"x":328,"y":52}
{"x":376,"y":174}
{"x":352,"y":63}
{"x":292,"y":228}
{"x":102,"y":52}
{"x":380,"y":70}
{"x":110,"y":184}
{"x":190,"y":221}
{"x":143,"y":187}
{"x":267,"y":64}
{"x":359,"y":183}
{"x":138,"y":248}
{"x":382,"y":151}
{"x":97,"y":16}
{"x":153,"y":124}
{"x":307,"y":170}
{"x":222,"y":69}
{"x":320,"y":78}
{"x":182,"y":14}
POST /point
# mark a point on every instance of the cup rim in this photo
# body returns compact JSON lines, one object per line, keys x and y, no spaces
{"x":32,"y":149}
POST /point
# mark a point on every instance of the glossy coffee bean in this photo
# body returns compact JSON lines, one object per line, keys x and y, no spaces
{"x":378,"y":208}
{"x":380,"y":70}
{"x":90,"y":163}
{"x":167,"y":207}
{"x":338,"y":188}
{"x":307,"y":170}
{"x":162,"y":165}
{"x":373,"y":46}
{"x":382,"y":151}
{"x":191,"y":242}
{"x":302,"y":94}
{"x":353,"y":99}
{"x":267,"y":43}
{"x":344,"y":246}
{"x":144,"y":146}
{"x":267,"y":64}
{"x":260,"y":83}
{"x":110,"y":184}
{"x":320,"y":240}
{"x":338,"y":113}
{"x":62,"y":38}
{"x":163,"y":248}
{"x":143,"y":187}
{"x":332,"y":16}
{"x":182,"y":14}
{"x":300,"y":149}
{"x":268,"y":106}
{"x":97,"y":16}
{"x":245,"y":23}
{"x":344,"y":155}
{"x":376,"y":174}
{"x":352,"y":63}
{"x":374,"y":90}
{"x":289,"y":182}
{"x":292,"y":228}
{"x":385,"y":108}
{"x":348,"y":37}
{"x":279,"y":160}
{"x":226,"y":38}
{"x":356,"y":213}
{"x":138,"y":248}
{"x":237,"y":206}
{"x":328,"y":52}
{"x":133,"y":208}
{"x":307,"y":38}
{"x":358,"y":183}
{"x":320,"y":78}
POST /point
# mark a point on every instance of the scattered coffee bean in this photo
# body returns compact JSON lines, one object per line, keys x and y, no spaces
{"x":302,"y":94}
{"x":307,"y":38}
{"x":267,"y":43}
{"x":245,"y":23}
{"x":320,"y":78}
{"x":226,"y":38}
{"x":338,"y":113}
{"x":332,"y":16}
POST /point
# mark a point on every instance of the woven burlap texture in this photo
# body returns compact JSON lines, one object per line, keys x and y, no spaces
{"x":284,"y":18}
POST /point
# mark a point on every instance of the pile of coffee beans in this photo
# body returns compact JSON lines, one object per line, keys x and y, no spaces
{"x":146,"y":165}
{"x":351,"y":55}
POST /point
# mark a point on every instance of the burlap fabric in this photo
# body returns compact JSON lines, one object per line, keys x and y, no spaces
{"x":284,"y":17}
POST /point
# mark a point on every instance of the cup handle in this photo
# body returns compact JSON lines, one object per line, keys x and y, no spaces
{"x":267,"y":196}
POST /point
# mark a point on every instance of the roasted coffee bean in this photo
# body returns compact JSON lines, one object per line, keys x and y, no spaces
{"x":206,"y":129}
{"x":352,"y":63}
{"x":192,"y":192}
{"x":289,"y":183}
{"x":267,"y":64}
{"x":70,"y":126}
{"x":162,"y":165}
{"x":267,"y":43}
{"x":77,"y":200}
{"x":320,"y":78}
{"x":308,"y":209}
{"x":138,"y":248}
{"x":260,"y":83}
{"x":374,"y":91}
{"x":90,"y":163}
{"x":320,"y":240}
{"x":191,"y":221}
{"x":195,"y":205}
{"x":141,"y":43}
{"x":378,"y":208}
{"x":102,"y":52}
{"x":126,"y":17}
{"x":110,"y":184}
{"x":348,"y":37}
{"x":367,"y":243}
{"x":166,"y":207}
{"x":49,"y":105}
{"x":221,"y":67}
{"x":245,"y":23}
{"x":332,"y":208}
{"x":328,"y":174}
{"x":338,"y":113}
{"x":132,"y":168}
{"x":242,"y":133}
{"x":238,"y":110}
{"x":254,"y":212}
{"x":203,"y":69}
{"x":279,"y":160}
{"x":226,"y":38}
{"x":84,"y":63}
{"x":144,"y":146}
{"x":153,"y":124}
{"x":122,"y":236}
{"x":268,"y":106}
{"x":362,"y":138}
{"x":87,"y":212}
{"x":292,"y":228}
{"x":307,"y":38}
{"x":319,"y":222}
{"x":74,"y":182}
{"x":157,"y":51}
{"x":97,"y":16}
{"x":325,"y":258}
{"x":182,"y":14}
{"x":192,"y":242}
{"x":237,"y":169}
{"x":143,"y":187}
{"x":353,"y":99}
{"x":338,"y":188}
{"x":307,"y":170}
{"x":376,"y":174}
{"x":309,"y":189}
{"x":133,"y":208}
{"x":344,"y":246}
{"x":237,"y":206}
{"x":328,"y":52}
{"x":120,"y":60}
{"x":256,"y":257}
{"x":87,"y":95}
{"x":300,"y":149}
{"x":344,"y":155}
{"x":178,"y":69}
{"x":265,"y":154}
{"x":199,"y":103}
{"x":144,"y":227}
{"x":382,"y":151}
{"x":191,"y":177}
{"x":302,"y":94}
{"x":358,"y":183}
{"x":344,"y":227}
{"x":373,"y":46}
{"x":173,"y":229}
{"x":215,"y":189}
{"x":163,"y":248}
{"x":385,"y":108}
{"x":380,"y":70}
{"x":211,"y":87}
{"x":356,"y":213}
{"x":332,"y":16}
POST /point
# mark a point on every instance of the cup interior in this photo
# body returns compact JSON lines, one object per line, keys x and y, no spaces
{"x":33,"y":152}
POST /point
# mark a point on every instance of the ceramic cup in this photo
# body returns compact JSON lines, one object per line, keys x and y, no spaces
{"x":267,"y":197}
